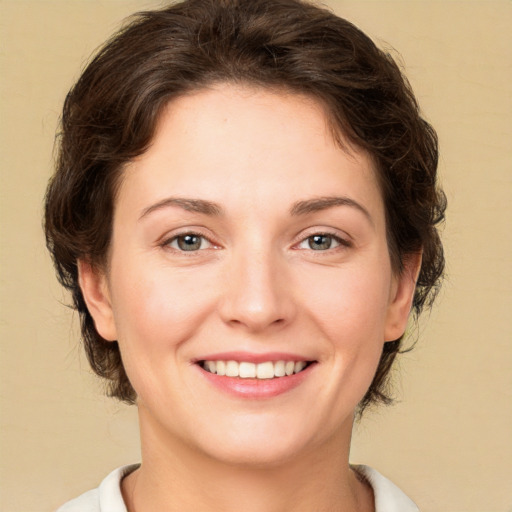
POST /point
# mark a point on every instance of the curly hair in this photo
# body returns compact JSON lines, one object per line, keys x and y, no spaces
{"x":110,"y":114}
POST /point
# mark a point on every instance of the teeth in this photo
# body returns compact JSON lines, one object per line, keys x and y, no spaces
{"x":221,"y":368}
{"x":246,"y":370}
{"x":265,"y":370}
{"x":279,"y":370}
{"x":231,"y":369}
{"x":299,"y":366}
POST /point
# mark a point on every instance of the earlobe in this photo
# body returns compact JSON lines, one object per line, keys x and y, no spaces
{"x":93,"y":284}
{"x":402,"y":295}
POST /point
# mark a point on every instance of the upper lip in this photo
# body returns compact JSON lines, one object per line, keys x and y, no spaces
{"x":252,"y":357}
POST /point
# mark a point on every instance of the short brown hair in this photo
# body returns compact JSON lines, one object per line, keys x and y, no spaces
{"x":110,"y":114}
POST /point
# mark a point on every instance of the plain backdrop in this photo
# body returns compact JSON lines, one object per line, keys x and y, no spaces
{"x":448,"y":440}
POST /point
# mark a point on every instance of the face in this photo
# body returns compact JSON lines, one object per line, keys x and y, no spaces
{"x":249,"y":285}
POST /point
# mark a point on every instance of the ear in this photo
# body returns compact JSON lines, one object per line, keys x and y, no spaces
{"x":401,"y":297}
{"x":94,"y":286}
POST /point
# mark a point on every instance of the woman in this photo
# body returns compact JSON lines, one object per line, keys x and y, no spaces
{"x":245,"y":210}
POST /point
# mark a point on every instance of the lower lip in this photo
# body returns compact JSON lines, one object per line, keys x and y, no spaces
{"x":256,"y":388}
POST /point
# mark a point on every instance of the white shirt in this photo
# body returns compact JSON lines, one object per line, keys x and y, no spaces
{"x":108,"y":498}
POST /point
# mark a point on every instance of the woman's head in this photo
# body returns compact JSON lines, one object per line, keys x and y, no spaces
{"x":111,"y":115}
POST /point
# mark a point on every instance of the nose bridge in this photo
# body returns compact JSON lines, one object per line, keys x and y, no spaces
{"x":255,"y":295}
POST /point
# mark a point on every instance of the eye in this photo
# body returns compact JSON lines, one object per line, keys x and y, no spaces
{"x":322,"y":242}
{"x":189,"y":242}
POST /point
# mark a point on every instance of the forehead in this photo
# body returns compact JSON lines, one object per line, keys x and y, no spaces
{"x":247,"y":145}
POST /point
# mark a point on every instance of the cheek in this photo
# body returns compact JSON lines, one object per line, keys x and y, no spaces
{"x":158,"y":308}
{"x":350,"y":305}
{"x":346,"y":308}
{"x":156,"y":311}
{"x":351,"y":313}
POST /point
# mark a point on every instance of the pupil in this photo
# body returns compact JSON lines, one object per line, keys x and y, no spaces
{"x":189,"y":242}
{"x":320,"y":242}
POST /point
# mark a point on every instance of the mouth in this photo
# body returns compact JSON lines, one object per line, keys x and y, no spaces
{"x":265,"y":370}
{"x":255,"y":376}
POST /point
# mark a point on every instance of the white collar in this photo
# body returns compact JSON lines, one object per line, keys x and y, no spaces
{"x":388,"y":497}
{"x":108,"y":497}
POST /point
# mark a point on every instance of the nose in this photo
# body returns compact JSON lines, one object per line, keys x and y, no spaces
{"x":257,"y":294}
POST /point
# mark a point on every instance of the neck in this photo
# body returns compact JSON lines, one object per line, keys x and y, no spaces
{"x":175,"y":477}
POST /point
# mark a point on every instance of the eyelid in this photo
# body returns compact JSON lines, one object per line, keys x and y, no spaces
{"x":168,"y":238}
{"x":175,"y":241}
{"x":338,"y":242}
{"x":342,"y":238}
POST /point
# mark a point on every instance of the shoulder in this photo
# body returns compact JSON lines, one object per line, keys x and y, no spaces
{"x":388,"y":497}
{"x":107,"y":497}
{"x":87,"y":502}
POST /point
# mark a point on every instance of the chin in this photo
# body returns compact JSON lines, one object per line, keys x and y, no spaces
{"x":256,"y":455}
{"x":266,"y":441}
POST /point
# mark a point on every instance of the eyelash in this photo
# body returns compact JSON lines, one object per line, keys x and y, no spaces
{"x":341,"y":242}
{"x":168,"y":242}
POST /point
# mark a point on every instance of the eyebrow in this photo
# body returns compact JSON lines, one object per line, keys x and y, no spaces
{"x":299,"y":208}
{"x":190,"y":205}
{"x":323,"y":203}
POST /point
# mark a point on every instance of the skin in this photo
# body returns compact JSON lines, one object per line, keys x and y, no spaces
{"x":254,"y":284}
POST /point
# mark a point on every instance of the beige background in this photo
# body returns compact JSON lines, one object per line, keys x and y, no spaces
{"x":448,"y":442}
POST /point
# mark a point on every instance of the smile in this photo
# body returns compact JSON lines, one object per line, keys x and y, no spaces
{"x":247,"y":370}
{"x":252,"y":376}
